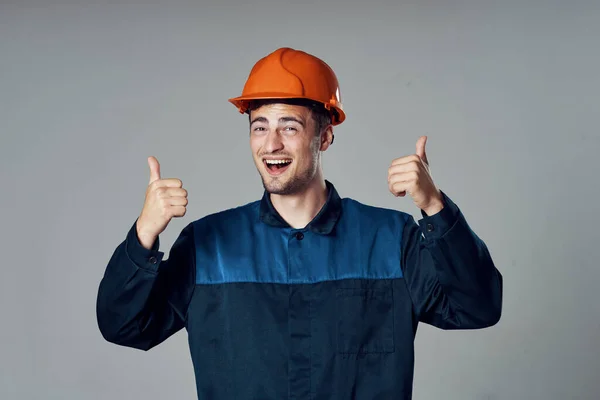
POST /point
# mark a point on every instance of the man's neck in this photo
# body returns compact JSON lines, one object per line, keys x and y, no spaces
{"x":299,"y":209}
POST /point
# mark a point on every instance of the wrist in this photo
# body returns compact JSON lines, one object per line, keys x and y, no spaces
{"x":145,"y":238}
{"x":434,"y":208}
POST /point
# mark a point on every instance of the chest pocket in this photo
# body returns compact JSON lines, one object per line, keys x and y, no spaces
{"x":365,"y":319}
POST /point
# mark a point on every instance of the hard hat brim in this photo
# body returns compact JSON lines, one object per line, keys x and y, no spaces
{"x":242,"y":102}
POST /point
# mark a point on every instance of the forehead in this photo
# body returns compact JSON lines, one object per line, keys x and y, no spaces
{"x":277,"y":110}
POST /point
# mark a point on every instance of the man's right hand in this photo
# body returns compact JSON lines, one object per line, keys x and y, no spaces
{"x":165,"y":199}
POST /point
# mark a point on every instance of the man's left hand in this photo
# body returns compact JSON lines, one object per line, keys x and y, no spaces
{"x":410,"y":174}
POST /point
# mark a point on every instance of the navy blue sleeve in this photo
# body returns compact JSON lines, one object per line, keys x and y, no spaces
{"x":143,"y":299}
{"x":449,"y":272}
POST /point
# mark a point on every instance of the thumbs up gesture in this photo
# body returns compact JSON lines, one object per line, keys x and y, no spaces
{"x":410,"y":174}
{"x":165,"y":199}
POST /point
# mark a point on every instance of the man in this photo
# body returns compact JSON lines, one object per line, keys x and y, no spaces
{"x":302,"y":294}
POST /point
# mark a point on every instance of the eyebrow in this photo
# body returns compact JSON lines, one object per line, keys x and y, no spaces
{"x":282,"y":119}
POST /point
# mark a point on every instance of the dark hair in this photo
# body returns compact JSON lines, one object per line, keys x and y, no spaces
{"x":321,"y":116}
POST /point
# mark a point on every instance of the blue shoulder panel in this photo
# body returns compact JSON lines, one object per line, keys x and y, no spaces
{"x":235,"y":246}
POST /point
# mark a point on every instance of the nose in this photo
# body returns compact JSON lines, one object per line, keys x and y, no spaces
{"x":273,"y":142}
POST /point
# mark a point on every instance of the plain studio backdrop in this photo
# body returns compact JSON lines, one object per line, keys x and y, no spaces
{"x":507,"y":92}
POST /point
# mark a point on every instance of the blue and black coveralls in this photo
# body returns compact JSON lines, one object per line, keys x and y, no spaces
{"x":329,"y":311}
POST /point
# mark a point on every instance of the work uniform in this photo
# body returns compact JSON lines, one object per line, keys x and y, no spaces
{"x":329,"y":311}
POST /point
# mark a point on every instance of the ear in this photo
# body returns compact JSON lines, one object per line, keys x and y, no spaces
{"x":326,"y":138}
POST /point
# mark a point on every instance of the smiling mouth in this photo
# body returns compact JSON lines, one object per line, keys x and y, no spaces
{"x":276,"y":167}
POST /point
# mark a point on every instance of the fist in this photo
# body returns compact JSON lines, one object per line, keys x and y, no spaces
{"x":165,"y":199}
{"x":410,"y":174}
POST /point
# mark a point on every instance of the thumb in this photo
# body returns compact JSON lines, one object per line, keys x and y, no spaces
{"x":154,"y":169}
{"x":421,"y":149}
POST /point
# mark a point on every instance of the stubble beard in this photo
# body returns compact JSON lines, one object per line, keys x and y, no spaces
{"x":292,"y":185}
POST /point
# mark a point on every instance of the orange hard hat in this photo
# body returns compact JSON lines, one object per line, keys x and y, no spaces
{"x":292,"y":74}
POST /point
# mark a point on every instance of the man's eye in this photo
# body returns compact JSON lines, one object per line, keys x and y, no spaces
{"x":259,"y":128}
{"x":290,"y":128}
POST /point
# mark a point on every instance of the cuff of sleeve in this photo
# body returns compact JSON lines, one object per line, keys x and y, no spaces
{"x":436,"y":226}
{"x":144,"y":258}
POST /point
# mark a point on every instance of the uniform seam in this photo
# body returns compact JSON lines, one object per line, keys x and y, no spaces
{"x":193,"y":266}
{"x":401,"y":234}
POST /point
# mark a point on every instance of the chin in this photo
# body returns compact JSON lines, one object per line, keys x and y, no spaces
{"x":276,"y":186}
{"x":285,"y":186}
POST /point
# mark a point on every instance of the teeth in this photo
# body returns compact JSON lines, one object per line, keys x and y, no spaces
{"x":278,"y":161}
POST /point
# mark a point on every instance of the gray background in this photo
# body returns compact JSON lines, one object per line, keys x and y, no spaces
{"x":506,"y":91}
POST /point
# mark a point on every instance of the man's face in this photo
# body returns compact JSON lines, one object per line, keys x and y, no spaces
{"x":285,"y":147}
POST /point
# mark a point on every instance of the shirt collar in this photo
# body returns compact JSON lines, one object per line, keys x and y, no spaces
{"x":322,"y":223}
